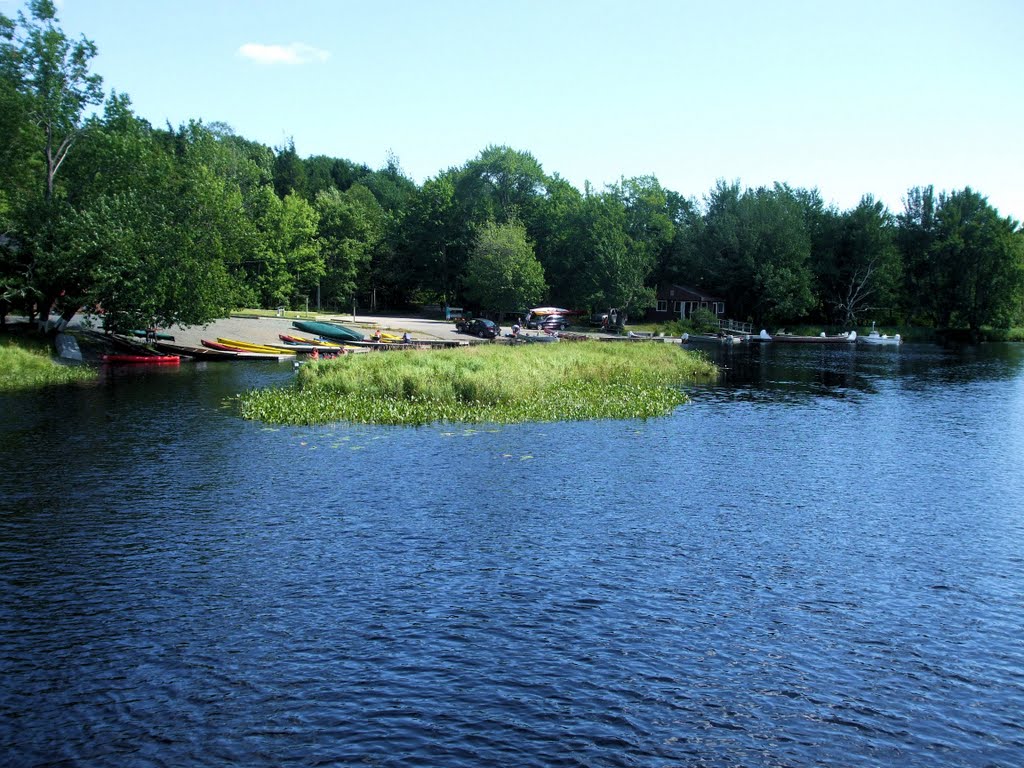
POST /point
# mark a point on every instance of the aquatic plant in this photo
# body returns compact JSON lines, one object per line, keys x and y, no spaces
{"x":485,"y":383}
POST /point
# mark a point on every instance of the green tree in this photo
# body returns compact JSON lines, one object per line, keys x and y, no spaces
{"x":392,"y":188}
{"x":780,"y":248}
{"x":978,"y":261}
{"x":435,"y":240}
{"x":323,"y":173}
{"x":120,"y":158}
{"x":159,"y":238}
{"x":54,"y":72}
{"x":248,"y":164}
{"x":915,"y":238}
{"x":351,"y":229}
{"x":612,"y":269}
{"x":297,"y":239}
{"x":503,"y":272}
{"x":16,"y":149}
{"x":823,"y":224}
{"x":119,"y":152}
{"x":133,"y":251}
{"x":286,"y":261}
{"x":50,"y":74}
{"x":648,"y":223}
{"x":862,"y":271}
{"x":289,"y":171}
{"x":758,"y":251}
{"x":680,"y":260}
{"x":727,"y":268}
{"x":553,"y":233}
{"x":501,"y":184}
{"x":18,"y":185}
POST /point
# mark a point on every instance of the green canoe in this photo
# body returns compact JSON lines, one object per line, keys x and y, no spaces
{"x":328,"y":330}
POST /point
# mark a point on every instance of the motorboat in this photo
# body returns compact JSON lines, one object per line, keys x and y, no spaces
{"x":790,"y":338}
{"x":880,"y":339}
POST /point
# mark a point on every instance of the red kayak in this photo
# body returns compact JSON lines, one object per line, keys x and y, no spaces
{"x":217,"y":345}
{"x":150,"y":359}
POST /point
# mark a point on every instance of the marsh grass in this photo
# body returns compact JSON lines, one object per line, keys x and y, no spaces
{"x":485,"y":383}
{"x":25,"y":364}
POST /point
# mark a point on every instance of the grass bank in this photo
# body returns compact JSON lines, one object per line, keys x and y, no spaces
{"x":1003,"y":334}
{"x":485,"y":384}
{"x":28,"y":364}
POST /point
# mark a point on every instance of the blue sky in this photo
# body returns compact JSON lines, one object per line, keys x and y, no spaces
{"x":849,"y":97}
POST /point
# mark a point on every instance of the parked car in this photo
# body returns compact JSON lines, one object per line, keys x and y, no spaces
{"x":553,"y":323}
{"x":485,"y":329}
{"x":547,"y":322}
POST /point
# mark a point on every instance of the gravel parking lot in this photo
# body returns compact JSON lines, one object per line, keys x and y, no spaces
{"x":262,"y":330}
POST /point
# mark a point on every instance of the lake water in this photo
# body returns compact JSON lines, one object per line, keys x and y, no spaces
{"x":818,"y":561}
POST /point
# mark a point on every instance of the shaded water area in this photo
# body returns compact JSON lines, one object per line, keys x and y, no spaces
{"x":818,"y":561}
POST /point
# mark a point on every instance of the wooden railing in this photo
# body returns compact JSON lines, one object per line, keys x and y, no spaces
{"x":735,"y":326}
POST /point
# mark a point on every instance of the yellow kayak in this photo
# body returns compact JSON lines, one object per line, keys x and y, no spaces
{"x":314,"y":342}
{"x":246,"y":346}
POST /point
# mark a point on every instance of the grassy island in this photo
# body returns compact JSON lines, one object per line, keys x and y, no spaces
{"x":487,"y":383}
{"x":28,"y":365}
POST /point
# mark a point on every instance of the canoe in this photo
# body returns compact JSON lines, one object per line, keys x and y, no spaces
{"x":158,"y":335}
{"x":242,"y":354}
{"x":248,"y":346}
{"x":314,"y":342}
{"x":144,"y":359}
{"x":195,"y":352}
{"x":306,"y":348}
{"x":216,"y":345}
{"x":328,"y":330}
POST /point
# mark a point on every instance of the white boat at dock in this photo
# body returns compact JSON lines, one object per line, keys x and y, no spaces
{"x":880,"y":339}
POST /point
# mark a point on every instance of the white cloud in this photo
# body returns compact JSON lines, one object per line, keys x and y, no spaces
{"x":296,"y":53}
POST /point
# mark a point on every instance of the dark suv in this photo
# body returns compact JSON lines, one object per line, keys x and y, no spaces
{"x":551,"y":323}
{"x":485,"y":329}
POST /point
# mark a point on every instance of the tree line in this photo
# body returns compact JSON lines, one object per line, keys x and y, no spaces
{"x":164,"y":225}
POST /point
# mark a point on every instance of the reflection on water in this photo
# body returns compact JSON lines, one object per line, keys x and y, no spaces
{"x":786,"y":372}
{"x":817,"y":561}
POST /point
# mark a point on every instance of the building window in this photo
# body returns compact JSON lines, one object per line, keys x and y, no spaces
{"x":662,"y":305}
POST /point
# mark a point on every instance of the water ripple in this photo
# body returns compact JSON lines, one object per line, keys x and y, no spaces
{"x":823,"y":573}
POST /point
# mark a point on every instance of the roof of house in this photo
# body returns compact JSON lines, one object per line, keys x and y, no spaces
{"x":678,"y":292}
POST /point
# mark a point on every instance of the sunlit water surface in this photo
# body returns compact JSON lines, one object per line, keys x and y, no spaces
{"x":818,"y":561}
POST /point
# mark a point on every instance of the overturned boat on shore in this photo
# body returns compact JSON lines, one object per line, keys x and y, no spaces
{"x":331,"y":331}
